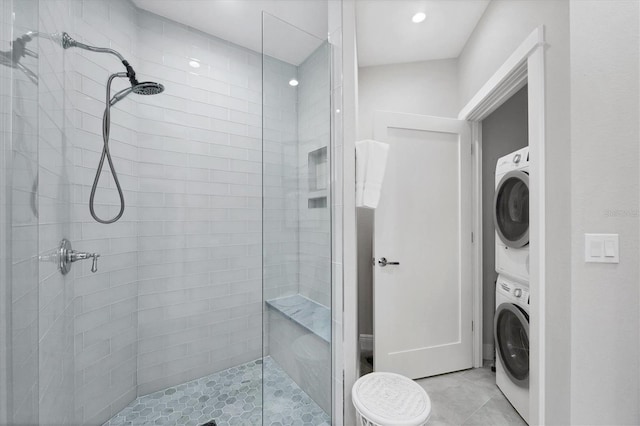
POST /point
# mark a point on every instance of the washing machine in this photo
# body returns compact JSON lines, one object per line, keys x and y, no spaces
{"x":511,"y":333}
{"x":511,"y":215}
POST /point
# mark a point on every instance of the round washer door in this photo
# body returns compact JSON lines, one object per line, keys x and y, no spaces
{"x":511,"y":332}
{"x":511,"y":209}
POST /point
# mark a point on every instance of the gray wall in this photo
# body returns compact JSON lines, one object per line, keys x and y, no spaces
{"x":503,"y":132}
{"x":605,"y":198}
{"x":427,"y":88}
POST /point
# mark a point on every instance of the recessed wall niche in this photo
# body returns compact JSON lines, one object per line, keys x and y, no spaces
{"x":318,"y":178}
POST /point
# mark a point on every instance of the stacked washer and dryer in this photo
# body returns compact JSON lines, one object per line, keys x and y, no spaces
{"x":511,"y":320}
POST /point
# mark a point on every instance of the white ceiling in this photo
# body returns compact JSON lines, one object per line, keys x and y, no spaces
{"x":240,"y":22}
{"x":386,"y":34}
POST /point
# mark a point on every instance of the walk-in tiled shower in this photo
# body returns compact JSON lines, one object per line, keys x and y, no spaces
{"x":210,"y":299}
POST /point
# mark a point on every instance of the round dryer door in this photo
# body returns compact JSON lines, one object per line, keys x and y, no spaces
{"x":511,"y":331}
{"x":511,"y":209}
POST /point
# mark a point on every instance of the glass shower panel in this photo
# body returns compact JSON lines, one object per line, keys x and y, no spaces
{"x":296,"y":225}
{"x":19,"y":218}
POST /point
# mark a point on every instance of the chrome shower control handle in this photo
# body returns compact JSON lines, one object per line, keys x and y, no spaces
{"x":384,"y":262}
{"x":94,"y":264}
{"x":74,"y":256}
{"x":68,"y":256}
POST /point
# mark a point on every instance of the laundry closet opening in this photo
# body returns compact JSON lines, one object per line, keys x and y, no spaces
{"x":504,"y":131}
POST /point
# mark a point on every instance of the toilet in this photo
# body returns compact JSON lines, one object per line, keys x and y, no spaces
{"x":389,"y":399}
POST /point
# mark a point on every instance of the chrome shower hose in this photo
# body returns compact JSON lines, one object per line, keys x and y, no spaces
{"x":106,"y":127}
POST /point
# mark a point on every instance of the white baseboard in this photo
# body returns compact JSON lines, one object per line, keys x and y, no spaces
{"x":366,"y":342}
{"x":488,"y":351}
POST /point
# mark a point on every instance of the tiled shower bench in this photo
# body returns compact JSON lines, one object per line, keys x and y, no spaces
{"x":299,"y":336}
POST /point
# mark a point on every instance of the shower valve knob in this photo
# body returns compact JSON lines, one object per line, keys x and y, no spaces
{"x":69,"y":256}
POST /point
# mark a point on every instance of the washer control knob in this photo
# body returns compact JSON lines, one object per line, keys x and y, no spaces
{"x":517,"y":292}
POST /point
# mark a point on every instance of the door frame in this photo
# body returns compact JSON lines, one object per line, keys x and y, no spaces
{"x":524,"y":66}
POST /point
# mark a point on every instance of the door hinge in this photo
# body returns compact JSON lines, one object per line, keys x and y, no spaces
{"x":472,"y":237}
{"x":471,"y":149}
{"x":471,"y":325}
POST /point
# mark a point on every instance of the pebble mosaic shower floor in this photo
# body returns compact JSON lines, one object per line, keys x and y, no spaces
{"x":230,"y":397}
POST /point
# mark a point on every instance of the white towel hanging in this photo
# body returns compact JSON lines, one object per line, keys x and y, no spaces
{"x":371,"y":163}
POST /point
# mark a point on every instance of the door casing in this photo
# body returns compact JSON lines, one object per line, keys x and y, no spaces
{"x":524,"y":66}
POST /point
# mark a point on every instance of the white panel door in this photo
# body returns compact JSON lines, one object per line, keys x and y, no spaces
{"x":423,"y":305}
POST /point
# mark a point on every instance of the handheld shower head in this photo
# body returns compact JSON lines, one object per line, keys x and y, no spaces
{"x":144,"y":88}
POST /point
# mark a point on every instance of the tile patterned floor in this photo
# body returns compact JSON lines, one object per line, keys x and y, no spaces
{"x":469,"y":397}
{"x":230,"y":397}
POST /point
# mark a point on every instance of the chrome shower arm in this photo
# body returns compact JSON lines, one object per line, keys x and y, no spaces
{"x":68,"y":41}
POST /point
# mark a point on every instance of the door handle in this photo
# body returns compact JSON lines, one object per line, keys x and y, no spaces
{"x":384,"y":262}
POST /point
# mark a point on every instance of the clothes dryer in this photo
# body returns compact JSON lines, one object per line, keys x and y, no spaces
{"x":511,"y":215}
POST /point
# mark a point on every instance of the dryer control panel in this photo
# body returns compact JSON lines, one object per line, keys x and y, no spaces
{"x":516,"y":160}
{"x":513,"y":290}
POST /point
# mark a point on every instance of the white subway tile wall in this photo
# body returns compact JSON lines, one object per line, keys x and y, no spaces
{"x":105,"y":308}
{"x":314,"y":133}
{"x":56,"y":176}
{"x":281,"y":225}
{"x":199,"y":159}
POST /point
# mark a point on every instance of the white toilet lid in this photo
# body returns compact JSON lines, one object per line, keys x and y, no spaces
{"x":391,"y":398}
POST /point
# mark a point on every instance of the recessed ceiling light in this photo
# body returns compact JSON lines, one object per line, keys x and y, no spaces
{"x":194,"y":64}
{"x":419,"y":17}
{"x":293,"y":82}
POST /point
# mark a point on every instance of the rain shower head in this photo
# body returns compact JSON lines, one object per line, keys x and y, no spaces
{"x":148,"y":88}
{"x":145,"y":88}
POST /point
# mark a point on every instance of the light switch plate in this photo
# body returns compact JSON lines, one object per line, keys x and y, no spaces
{"x":601,"y":248}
